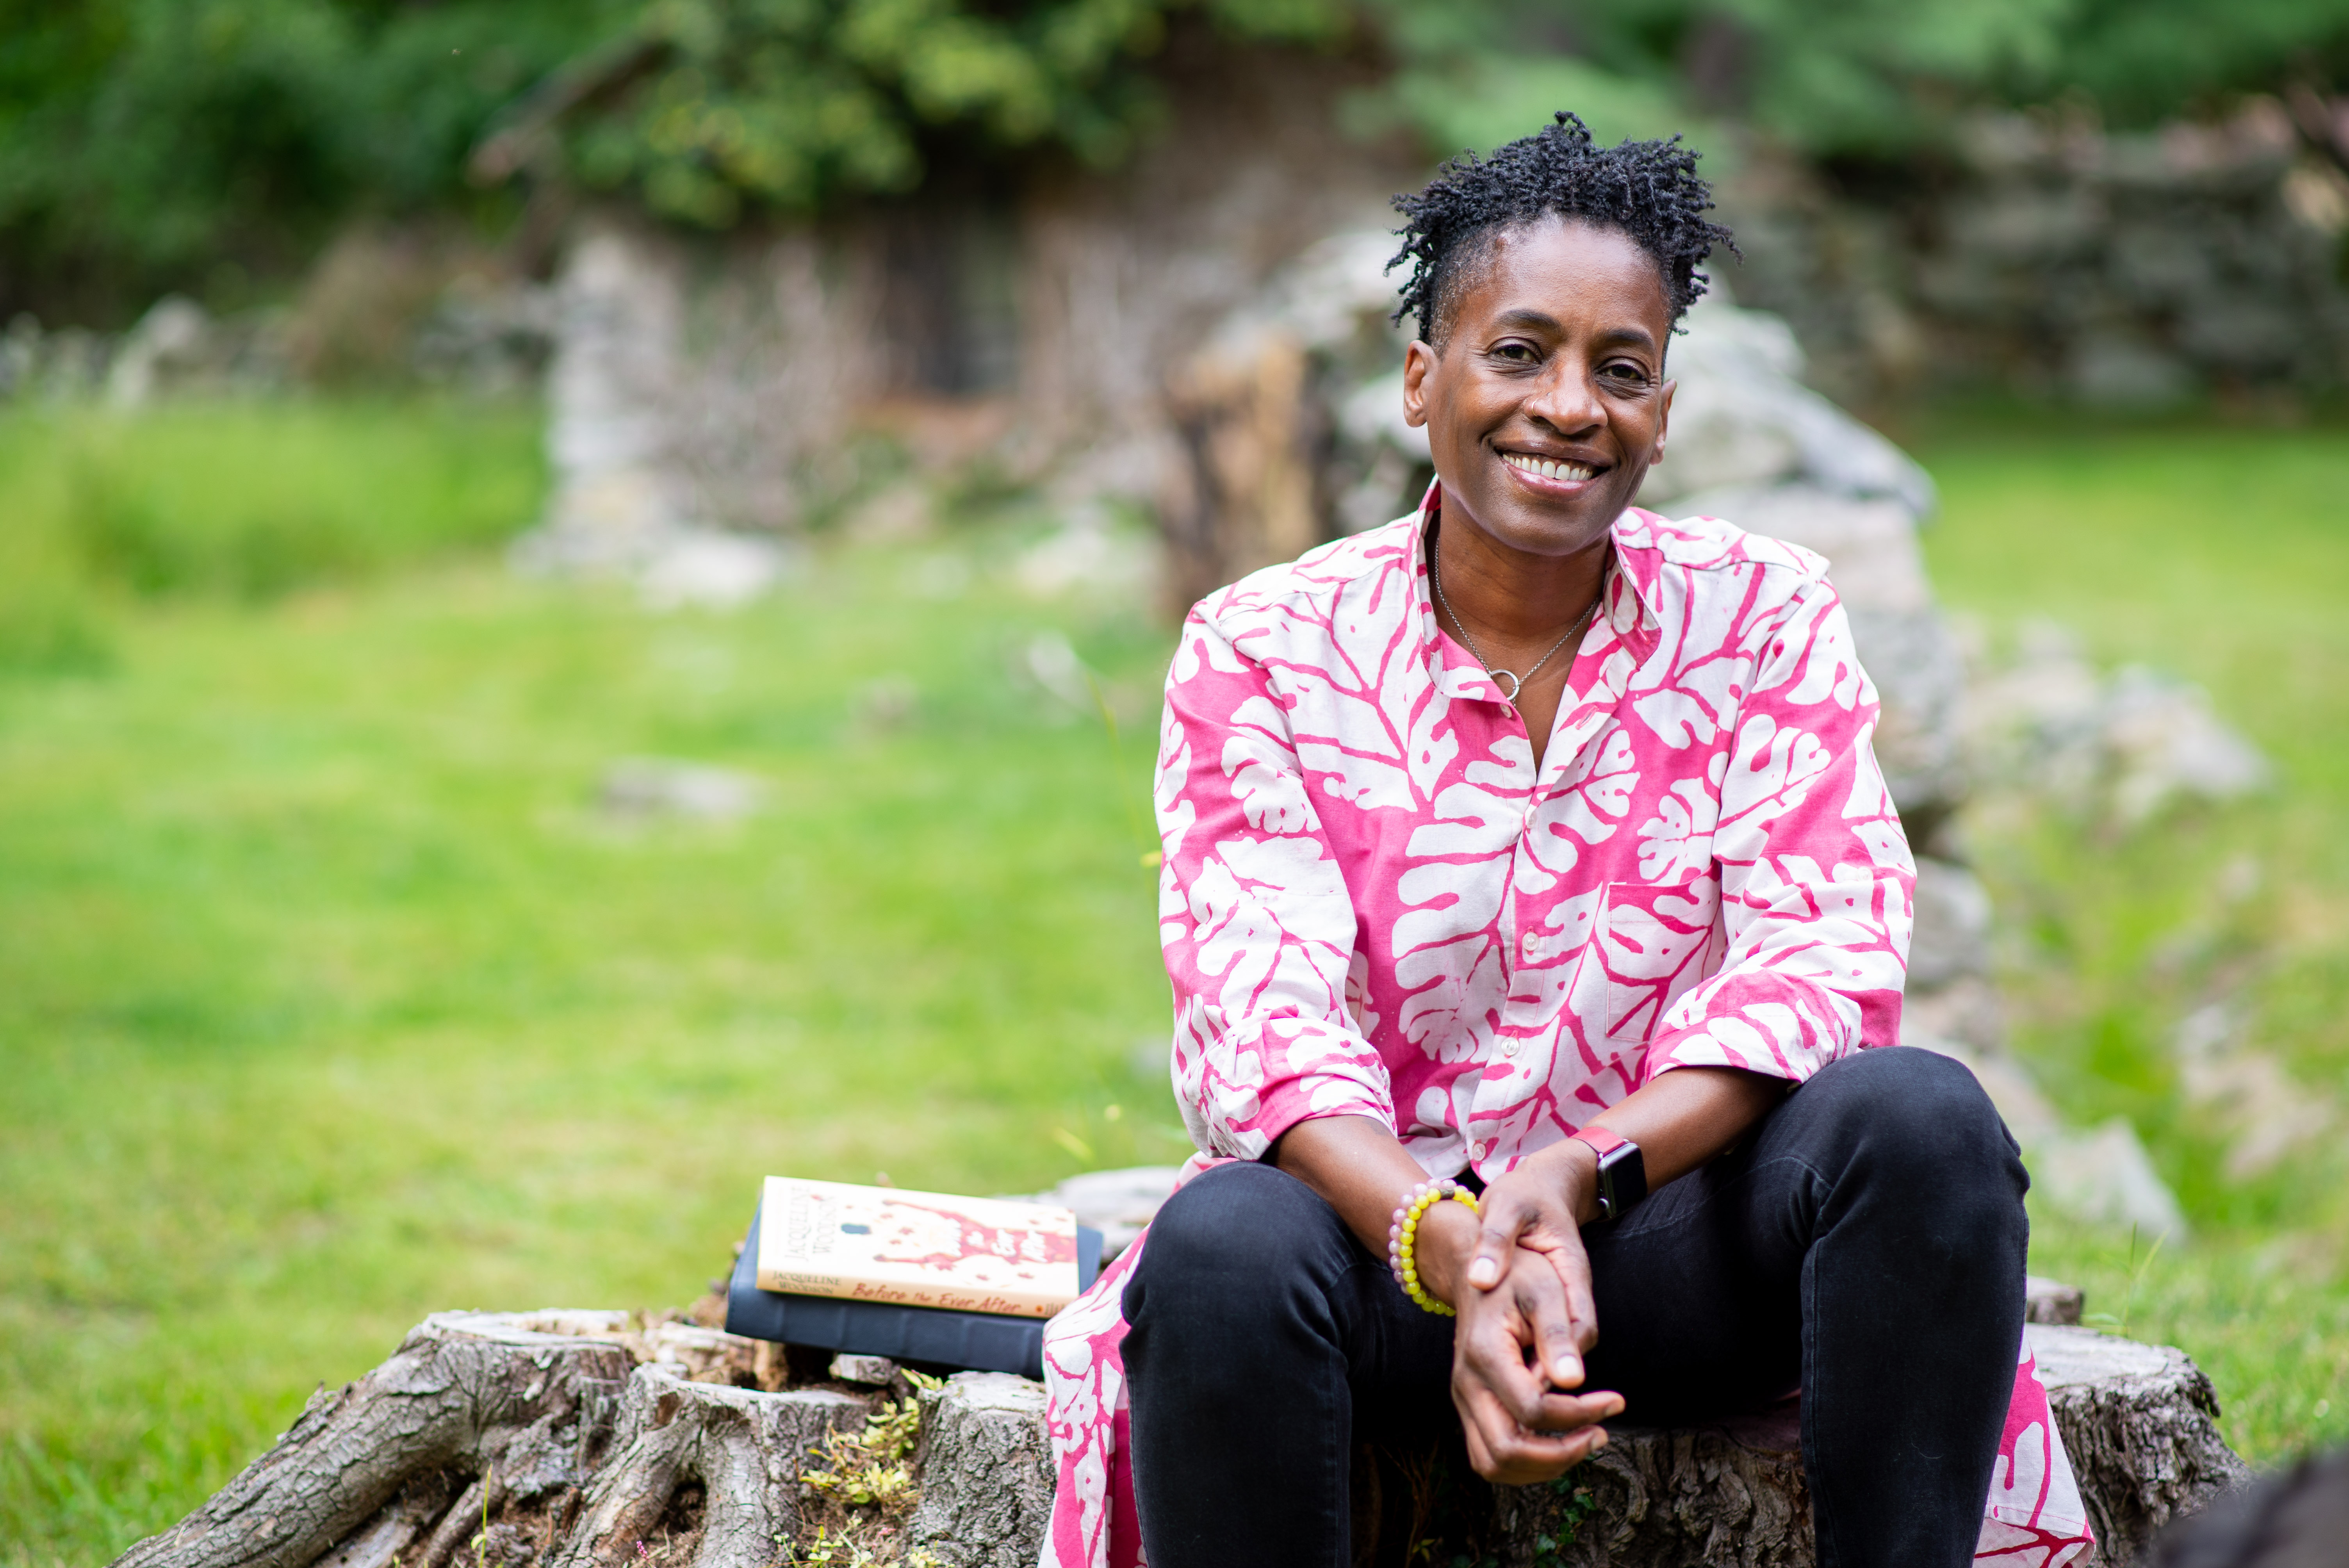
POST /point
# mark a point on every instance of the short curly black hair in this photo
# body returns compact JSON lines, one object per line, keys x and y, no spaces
{"x":1649,"y":190}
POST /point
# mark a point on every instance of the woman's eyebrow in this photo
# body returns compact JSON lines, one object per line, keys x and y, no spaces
{"x":1637,"y":336}
{"x":1531,"y":319}
{"x":1527,"y":319}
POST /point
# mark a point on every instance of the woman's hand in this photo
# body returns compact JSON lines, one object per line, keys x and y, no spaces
{"x":1541,"y":1207}
{"x":1517,"y":1351}
{"x":1523,"y":1329}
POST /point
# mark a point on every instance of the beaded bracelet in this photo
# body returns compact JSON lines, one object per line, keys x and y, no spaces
{"x":1402,"y":1235}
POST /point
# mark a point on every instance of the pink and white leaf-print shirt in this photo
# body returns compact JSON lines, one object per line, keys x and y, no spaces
{"x":1373,"y":903}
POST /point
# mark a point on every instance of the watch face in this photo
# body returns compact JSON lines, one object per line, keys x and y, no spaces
{"x":1622,"y":1180}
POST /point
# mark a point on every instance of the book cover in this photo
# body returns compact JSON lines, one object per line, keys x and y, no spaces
{"x":917,"y":1249}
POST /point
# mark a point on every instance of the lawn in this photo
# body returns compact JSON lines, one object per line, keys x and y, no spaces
{"x":2221,"y":554}
{"x":328,"y":996}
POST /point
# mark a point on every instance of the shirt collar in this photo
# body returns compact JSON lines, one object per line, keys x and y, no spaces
{"x":1633,"y":593}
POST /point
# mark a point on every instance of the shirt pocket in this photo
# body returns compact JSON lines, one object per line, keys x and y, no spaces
{"x":1655,"y":940}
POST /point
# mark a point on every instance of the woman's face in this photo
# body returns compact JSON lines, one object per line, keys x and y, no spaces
{"x":1549,"y":402}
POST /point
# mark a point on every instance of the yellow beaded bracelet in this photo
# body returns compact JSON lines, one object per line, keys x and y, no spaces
{"x":1402,"y":1236}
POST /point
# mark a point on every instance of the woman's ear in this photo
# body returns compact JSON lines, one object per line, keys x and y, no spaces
{"x":1663,"y":421}
{"x":1418,"y":362}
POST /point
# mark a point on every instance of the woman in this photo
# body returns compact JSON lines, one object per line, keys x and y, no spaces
{"x":1533,"y":905}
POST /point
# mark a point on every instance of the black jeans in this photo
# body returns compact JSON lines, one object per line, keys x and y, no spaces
{"x":1867,"y":1241}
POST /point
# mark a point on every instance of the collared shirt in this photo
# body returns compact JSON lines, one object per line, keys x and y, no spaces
{"x":1374,"y":904}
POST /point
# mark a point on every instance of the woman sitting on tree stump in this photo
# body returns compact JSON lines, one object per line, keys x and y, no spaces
{"x":1536,"y":912}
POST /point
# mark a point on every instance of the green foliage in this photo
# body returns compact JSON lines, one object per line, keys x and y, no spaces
{"x":1580,"y":1503}
{"x":245,"y":502}
{"x":2137,"y":60}
{"x":152,"y":141}
{"x":786,"y":103}
{"x":256,"y":501}
{"x":1870,"y":77}
{"x":206,"y":143}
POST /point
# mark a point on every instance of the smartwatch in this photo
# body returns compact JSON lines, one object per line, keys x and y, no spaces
{"x":1622,"y":1173}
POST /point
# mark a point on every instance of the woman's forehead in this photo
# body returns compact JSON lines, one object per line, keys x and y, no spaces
{"x":1569,"y":269}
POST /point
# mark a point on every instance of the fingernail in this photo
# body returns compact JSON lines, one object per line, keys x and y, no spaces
{"x":1483,"y":1272}
{"x":1568,"y":1372}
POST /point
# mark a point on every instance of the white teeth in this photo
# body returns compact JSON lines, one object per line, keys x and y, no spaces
{"x":1546,"y":467}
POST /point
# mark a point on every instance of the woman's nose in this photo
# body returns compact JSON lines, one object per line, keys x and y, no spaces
{"x":1566,"y":399}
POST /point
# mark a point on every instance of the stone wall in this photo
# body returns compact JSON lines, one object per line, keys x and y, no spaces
{"x":2051,"y":260}
{"x":739,"y":383}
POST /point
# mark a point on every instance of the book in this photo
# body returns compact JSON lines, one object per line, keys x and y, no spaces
{"x":999,"y":1256}
{"x":930,"y":1335}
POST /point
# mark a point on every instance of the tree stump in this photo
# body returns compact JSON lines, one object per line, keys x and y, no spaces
{"x":567,"y":1438}
{"x":1731,"y":1496}
{"x":2141,"y":1424}
{"x":985,"y":1470}
{"x":582,"y":1439}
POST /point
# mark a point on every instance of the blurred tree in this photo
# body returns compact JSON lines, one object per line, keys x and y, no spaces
{"x":2139,"y":61}
{"x":713,"y":104}
{"x":145,"y":142}
{"x":1840,"y":78}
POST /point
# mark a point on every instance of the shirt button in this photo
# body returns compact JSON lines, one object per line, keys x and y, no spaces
{"x":1509,"y":1048}
{"x":1531,"y":944}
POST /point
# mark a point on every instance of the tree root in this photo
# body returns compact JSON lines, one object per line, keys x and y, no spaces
{"x":566,"y":1439}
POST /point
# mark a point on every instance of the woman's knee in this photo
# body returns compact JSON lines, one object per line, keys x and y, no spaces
{"x":1918,"y":1118}
{"x":1239,"y":1238}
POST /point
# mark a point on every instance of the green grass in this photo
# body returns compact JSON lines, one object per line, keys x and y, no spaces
{"x":2220,"y":554}
{"x":239,"y":500}
{"x":327,"y":998}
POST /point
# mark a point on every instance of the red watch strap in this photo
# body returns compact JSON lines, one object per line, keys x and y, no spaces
{"x":1600,"y":1139}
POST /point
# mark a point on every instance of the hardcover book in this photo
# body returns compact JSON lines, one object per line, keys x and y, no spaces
{"x":916,"y":1249}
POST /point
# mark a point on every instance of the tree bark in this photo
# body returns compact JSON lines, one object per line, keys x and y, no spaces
{"x":1730,"y":1497}
{"x":986,"y":1468}
{"x":2141,"y":1424}
{"x":572,"y":1439}
{"x":374,"y":1468}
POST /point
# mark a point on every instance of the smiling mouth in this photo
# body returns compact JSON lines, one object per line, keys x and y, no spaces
{"x":1548,"y":467}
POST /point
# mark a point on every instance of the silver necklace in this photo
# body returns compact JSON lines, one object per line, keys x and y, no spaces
{"x":1516,"y":682}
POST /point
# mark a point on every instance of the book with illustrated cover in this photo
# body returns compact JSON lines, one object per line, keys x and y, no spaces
{"x":991,"y":1256}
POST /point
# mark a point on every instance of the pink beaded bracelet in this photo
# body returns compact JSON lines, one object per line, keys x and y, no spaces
{"x":1402,"y":1236}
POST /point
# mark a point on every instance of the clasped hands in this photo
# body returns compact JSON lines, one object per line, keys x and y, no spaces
{"x":1520,"y":1281}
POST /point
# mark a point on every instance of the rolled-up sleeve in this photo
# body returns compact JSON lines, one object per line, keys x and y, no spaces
{"x":1816,"y":874}
{"x":1255,"y":919}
